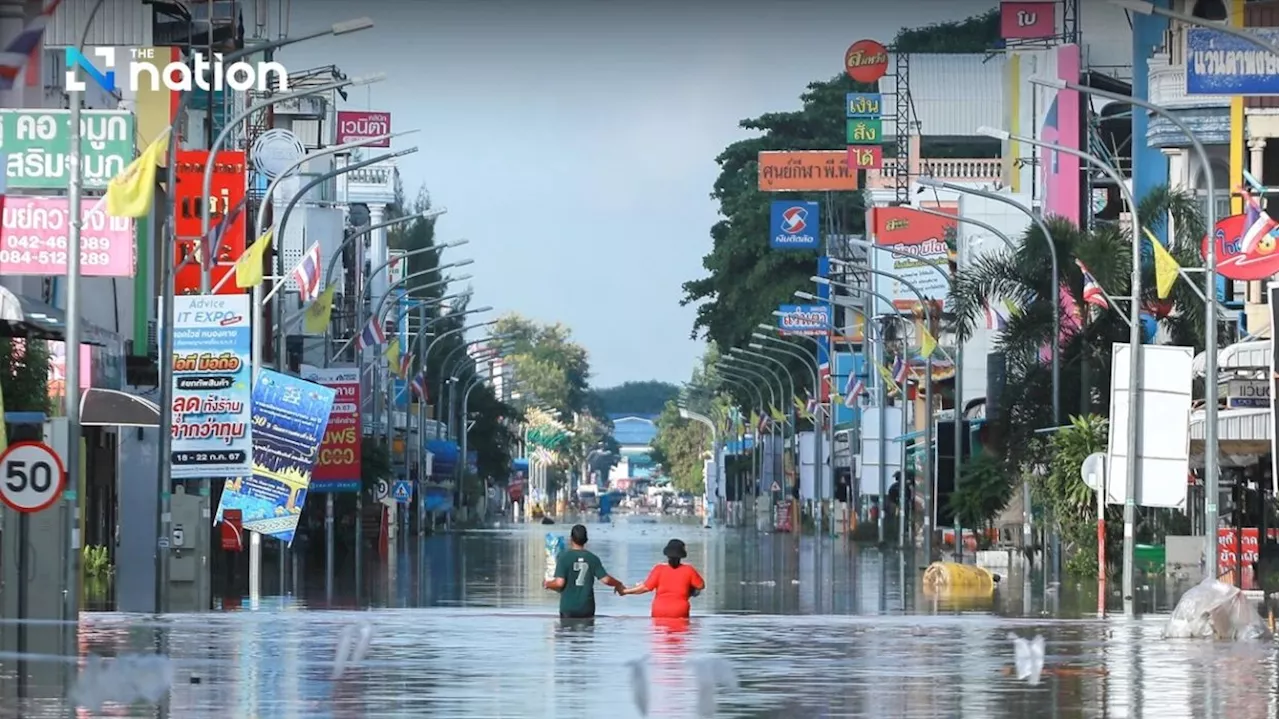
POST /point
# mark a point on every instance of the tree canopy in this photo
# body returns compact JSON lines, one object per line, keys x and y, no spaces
{"x":638,"y":398}
{"x":682,"y":445}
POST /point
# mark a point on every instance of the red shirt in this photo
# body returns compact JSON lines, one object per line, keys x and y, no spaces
{"x":671,"y":587}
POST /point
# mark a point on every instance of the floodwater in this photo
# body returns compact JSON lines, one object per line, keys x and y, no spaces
{"x":812,"y":628}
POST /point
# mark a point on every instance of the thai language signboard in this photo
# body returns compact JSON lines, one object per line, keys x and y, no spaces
{"x":356,"y":125}
{"x":290,"y":415}
{"x":338,"y":466}
{"x":34,"y":239}
{"x":38,"y":143}
{"x":804,"y":319}
{"x":922,"y":238}
{"x":805,"y":170}
{"x":1220,"y":64}
{"x":211,"y":377}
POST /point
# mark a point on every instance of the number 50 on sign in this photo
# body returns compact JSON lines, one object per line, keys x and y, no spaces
{"x":31,"y":476}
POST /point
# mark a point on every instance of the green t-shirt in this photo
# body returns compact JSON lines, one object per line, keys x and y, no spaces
{"x":579,"y":569}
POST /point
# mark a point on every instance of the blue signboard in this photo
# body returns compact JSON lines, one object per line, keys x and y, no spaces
{"x":794,"y":225}
{"x":402,"y":491}
{"x":211,"y":375}
{"x":1219,"y":64}
{"x":804,"y":319}
{"x":289,"y":418}
{"x":859,"y":105}
{"x":846,"y":363}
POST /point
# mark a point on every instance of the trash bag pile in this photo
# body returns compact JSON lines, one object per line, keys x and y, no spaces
{"x":554,"y":546}
{"x":1213,"y":610}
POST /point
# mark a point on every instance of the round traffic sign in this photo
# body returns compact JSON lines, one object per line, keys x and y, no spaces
{"x":31,"y":476}
{"x":383,"y":490}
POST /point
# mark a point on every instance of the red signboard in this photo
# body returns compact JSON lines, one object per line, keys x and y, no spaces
{"x":1260,"y":262}
{"x":338,"y":465}
{"x":866,"y":157}
{"x":227,"y":200}
{"x":1247,"y":551}
{"x":866,"y":61}
{"x":356,"y":125}
{"x":1027,"y":20}
{"x":232,"y":530}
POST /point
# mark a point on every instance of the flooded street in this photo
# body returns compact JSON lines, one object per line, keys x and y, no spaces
{"x":812,"y":629}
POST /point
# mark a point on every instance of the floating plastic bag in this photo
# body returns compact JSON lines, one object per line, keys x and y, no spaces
{"x":353,"y":643}
{"x":1214,"y":610}
{"x":554,"y":546}
{"x":711,"y":673}
{"x":125,"y":679}
{"x":1028,"y":658}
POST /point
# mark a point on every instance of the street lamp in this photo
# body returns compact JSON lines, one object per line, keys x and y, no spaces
{"x":1144,"y":7}
{"x":1210,"y":315}
{"x":1055,"y":279}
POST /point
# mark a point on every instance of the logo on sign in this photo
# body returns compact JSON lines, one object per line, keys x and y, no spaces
{"x":795,"y":225}
{"x":1246,"y":251}
{"x":1026,"y":20}
{"x":356,"y":125}
{"x":203,"y":73}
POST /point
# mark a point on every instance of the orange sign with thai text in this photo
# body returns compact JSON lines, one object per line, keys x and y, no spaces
{"x":806,"y":171}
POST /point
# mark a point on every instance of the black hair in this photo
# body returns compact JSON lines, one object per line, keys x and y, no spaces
{"x":578,"y":535}
{"x":673,"y":561}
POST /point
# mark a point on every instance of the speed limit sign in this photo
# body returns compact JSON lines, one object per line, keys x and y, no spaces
{"x":31,"y":476}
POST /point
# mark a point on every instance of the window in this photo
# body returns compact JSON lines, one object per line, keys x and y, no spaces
{"x":1210,"y":10}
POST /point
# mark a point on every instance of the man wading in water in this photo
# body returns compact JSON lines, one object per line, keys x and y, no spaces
{"x":576,"y":573}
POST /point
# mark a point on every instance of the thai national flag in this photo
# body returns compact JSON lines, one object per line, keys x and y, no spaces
{"x":406,"y":364}
{"x":307,"y":274}
{"x":900,"y":371}
{"x":24,"y":45}
{"x":419,"y":386}
{"x":1093,"y":294}
{"x":851,"y":395}
{"x":810,"y":404}
{"x":1258,"y":224}
{"x":373,"y":334}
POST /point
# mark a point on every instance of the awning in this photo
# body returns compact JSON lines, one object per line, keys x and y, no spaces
{"x":1241,"y":355}
{"x":113,"y":408}
{"x":1244,"y":435}
{"x":21,"y":316}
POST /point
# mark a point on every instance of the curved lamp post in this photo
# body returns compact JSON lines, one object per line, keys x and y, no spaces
{"x":1145,"y":7}
{"x":1055,"y":278}
{"x":1210,"y":315}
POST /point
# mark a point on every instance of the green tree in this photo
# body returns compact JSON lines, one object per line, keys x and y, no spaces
{"x":640,"y":398}
{"x":548,"y":364}
{"x":979,"y":33}
{"x":985,"y":490}
{"x":1024,"y":278}
{"x":682,"y":445}
{"x":415,"y":235}
{"x":24,"y":375}
{"x":1066,"y":498}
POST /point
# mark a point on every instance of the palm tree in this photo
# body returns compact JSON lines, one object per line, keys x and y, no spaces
{"x":1024,"y":278}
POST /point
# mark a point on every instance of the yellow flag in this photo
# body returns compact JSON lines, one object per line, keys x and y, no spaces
{"x":927,"y":343}
{"x":130,"y":193}
{"x":393,"y":356}
{"x":1166,"y":267}
{"x":755,"y":420}
{"x":316,"y":319}
{"x":889,"y":385}
{"x":249,"y":266}
{"x":777,"y":414}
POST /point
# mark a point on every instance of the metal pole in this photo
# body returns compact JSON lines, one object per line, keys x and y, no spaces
{"x":1055,"y":277}
{"x":1211,"y":316}
{"x":1145,"y":7}
{"x":1133,"y":434}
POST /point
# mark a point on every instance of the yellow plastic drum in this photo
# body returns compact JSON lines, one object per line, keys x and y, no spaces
{"x":952,"y":579}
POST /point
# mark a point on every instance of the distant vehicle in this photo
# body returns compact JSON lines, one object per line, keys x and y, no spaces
{"x":588,"y":496}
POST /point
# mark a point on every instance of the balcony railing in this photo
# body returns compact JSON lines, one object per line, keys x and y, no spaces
{"x":1167,"y":86}
{"x":373,"y":184}
{"x":976,"y":170}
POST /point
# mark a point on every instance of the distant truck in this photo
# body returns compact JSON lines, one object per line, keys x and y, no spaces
{"x":588,"y":496}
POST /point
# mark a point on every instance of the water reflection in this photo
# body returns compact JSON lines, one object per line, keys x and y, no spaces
{"x":813,"y":628}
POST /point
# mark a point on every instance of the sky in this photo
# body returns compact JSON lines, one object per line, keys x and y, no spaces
{"x":574,"y":141}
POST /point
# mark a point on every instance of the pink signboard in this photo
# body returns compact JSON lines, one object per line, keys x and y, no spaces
{"x":356,"y":125}
{"x":1027,"y":20}
{"x":34,"y":239}
{"x":1062,"y":127}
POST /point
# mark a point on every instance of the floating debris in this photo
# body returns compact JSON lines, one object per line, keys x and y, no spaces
{"x":1028,"y":658}
{"x":353,"y":643}
{"x":638,"y":671}
{"x":712,"y":673}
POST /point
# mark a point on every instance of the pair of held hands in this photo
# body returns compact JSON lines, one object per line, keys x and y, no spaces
{"x":621,"y":590}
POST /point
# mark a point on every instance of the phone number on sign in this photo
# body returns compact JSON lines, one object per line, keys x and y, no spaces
{"x":88,"y":258}
{"x":36,"y":243}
